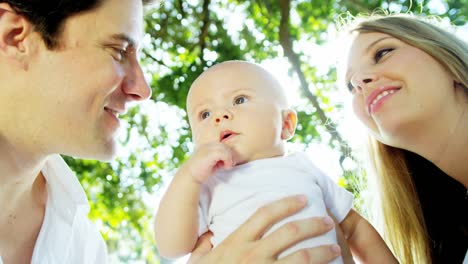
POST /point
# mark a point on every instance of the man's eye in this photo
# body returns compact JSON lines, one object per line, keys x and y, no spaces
{"x":380,"y":53}
{"x":119,"y":54}
{"x":205,"y":114}
{"x":240,"y":99}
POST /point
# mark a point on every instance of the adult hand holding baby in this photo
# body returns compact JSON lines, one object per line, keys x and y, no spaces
{"x":246,"y":244}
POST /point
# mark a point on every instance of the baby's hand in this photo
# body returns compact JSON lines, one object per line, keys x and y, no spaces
{"x":207,"y":159}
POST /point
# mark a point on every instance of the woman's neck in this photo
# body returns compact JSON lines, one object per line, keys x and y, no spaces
{"x":442,"y":138}
{"x":453,"y":154}
{"x":444,"y":142}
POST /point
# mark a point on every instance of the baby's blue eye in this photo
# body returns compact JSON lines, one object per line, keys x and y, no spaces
{"x":240,"y":99}
{"x":205,"y":114}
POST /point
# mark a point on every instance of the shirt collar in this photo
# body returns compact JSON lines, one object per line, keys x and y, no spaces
{"x":64,"y":190}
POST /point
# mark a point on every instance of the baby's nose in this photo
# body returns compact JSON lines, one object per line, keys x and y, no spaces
{"x":225,"y":116}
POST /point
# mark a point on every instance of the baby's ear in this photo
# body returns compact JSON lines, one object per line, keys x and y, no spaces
{"x":289,"y":124}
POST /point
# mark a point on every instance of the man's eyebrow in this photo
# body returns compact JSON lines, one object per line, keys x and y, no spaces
{"x":124,"y":37}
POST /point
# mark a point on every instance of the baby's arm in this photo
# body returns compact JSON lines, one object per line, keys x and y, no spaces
{"x":176,"y":223}
{"x":364,"y":241}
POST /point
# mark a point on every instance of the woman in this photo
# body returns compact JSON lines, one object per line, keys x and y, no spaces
{"x":409,"y":80}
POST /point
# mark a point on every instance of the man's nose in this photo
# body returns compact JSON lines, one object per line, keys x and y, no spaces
{"x":136,"y":86}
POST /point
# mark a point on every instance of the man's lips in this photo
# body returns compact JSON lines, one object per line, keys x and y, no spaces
{"x":226,"y":135}
{"x":378,"y":94}
{"x":116,"y":111}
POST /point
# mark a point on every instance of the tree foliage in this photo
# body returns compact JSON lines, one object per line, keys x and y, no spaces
{"x":182,"y":39}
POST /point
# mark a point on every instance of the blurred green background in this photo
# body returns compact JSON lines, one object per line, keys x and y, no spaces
{"x":294,"y":39}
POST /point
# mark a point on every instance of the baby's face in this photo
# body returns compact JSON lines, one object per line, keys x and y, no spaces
{"x":240,"y":105}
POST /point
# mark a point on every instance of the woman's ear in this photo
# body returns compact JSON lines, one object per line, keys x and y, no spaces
{"x":289,"y":124}
{"x":14,"y":30}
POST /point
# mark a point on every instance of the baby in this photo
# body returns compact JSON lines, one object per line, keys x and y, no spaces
{"x":240,"y":121}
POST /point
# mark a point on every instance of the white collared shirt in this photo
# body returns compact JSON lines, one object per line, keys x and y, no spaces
{"x":66,"y":235}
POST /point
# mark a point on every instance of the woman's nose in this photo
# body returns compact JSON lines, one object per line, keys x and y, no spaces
{"x":360,"y":81}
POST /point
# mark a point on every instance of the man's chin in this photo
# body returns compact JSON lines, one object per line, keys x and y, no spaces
{"x":105,"y":157}
{"x":105,"y":152}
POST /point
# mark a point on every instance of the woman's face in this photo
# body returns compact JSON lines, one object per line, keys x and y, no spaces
{"x":397,"y":88}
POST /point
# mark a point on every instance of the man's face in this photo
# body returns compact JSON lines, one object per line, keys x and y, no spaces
{"x":70,"y":98}
{"x":239,"y":105}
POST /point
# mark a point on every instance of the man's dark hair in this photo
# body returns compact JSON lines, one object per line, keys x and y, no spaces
{"x":48,"y":16}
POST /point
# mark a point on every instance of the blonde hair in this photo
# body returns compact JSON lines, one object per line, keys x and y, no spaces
{"x":401,"y":216}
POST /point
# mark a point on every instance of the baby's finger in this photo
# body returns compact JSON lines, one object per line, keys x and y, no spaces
{"x":227,"y":156}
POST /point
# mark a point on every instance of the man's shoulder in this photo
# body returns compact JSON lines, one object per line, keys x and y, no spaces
{"x":62,"y":241}
{"x":67,"y":234}
{"x":64,"y":191}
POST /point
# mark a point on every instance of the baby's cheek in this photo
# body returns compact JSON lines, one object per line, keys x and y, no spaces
{"x":199,"y":137}
{"x":195,"y":138}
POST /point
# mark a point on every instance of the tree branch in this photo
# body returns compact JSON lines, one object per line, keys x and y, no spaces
{"x":204,"y":28}
{"x":287,"y":45}
{"x":160,"y":62}
{"x":180,"y":6}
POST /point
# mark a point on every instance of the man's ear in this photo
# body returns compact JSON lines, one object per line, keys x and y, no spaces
{"x":14,"y":29}
{"x":289,"y":124}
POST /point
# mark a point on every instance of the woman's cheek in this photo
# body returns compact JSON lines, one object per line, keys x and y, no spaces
{"x":359,"y":109}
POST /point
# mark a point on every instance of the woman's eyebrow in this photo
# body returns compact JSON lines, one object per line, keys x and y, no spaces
{"x":367,"y":51}
{"x":375,"y":42}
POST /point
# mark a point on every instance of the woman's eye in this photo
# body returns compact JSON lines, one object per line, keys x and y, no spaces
{"x":240,"y":100}
{"x":350,"y":87}
{"x":205,"y":114}
{"x":380,"y":53}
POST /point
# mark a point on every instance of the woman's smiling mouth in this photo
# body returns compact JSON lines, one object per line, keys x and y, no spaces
{"x":378,"y":96}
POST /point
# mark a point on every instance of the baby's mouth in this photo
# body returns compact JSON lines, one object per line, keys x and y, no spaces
{"x":226,"y":135}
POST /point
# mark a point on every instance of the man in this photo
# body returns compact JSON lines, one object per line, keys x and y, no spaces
{"x":67,"y":70}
